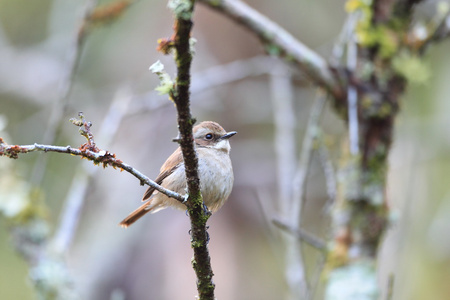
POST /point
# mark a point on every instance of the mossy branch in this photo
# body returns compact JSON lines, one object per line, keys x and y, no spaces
{"x":183,"y":10}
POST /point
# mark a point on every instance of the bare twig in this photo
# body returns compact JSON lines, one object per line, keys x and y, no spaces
{"x":282,"y":91}
{"x":281,"y":42}
{"x":330,"y":175}
{"x":295,"y":268}
{"x":266,"y":206}
{"x":299,"y":182}
{"x":101,"y":157}
{"x":301,"y":235}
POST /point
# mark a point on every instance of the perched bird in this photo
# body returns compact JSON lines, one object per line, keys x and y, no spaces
{"x":214,"y":169}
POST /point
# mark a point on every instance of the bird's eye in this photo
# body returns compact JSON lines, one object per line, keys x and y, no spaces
{"x":209,"y":136}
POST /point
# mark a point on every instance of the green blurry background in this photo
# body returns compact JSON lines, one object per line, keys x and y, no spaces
{"x":151,"y":260}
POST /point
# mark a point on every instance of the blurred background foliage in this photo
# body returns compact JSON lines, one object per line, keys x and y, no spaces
{"x":151,"y":260}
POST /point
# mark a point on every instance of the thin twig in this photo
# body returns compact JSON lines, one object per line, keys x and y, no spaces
{"x":301,"y":235}
{"x":282,"y":91}
{"x":265,"y":204}
{"x":280,"y":41}
{"x":102,"y":157}
{"x":295,"y":269}
{"x":330,"y":175}
{"x":299,"y":182}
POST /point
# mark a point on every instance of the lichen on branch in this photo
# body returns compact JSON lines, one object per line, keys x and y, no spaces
{"x":88,"y":151}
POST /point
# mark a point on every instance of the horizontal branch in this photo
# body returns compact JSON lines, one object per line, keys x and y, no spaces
{"x":101,"y":157}
{"x":272,"y":34}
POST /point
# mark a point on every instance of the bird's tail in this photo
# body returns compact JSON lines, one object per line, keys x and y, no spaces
{"x":140,"y":211}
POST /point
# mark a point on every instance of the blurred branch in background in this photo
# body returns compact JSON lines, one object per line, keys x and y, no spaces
{"x":30,"y":230}
{"x":280,"y":42}
{"x":45,"y":254}
{"x":329,"y":172}
{"x":92,"y":15}
{"x":361,"y":218}
{"x":282,"y":95}
{"x":26,"y":214}
{"x":292,"y":176}
{"x":58,"y":109}
{"x":211,"y":78}
{"x":352,"y":93}
{"x":379,"y":51}
{"x":84,"y":173}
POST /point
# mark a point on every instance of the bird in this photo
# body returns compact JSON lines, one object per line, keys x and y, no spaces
{"x":215,"y":171}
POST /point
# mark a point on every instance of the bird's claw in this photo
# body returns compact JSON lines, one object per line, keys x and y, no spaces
{"x":206,"y":211}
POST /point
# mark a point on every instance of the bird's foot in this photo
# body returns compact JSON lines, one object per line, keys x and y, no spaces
{"x":206,"y":211}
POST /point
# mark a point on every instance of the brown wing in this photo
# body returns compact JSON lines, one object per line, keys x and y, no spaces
{"x":167,"y":168}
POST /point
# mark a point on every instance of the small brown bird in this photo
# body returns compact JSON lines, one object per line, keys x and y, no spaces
{"x":214,"y":167}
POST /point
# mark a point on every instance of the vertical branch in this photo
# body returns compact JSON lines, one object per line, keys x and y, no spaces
{"x":291,"y":182}
{"x":352,"y":95}
{"x":329,"y":173}
{"x":199,"y":238}
{"x":299,"y":183}
{"x":299,"y":186}
{"x":284,"y":140}
{"x":362,"y":216}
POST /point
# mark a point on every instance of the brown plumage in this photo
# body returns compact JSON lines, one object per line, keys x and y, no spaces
{"x":215,"y":172}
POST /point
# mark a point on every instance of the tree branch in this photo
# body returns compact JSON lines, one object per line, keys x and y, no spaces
{"x":279,"y":41}
{"x":183,"y":11}
{"x":97,"y":157}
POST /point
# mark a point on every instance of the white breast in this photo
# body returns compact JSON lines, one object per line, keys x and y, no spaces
{"x":216,"y":176}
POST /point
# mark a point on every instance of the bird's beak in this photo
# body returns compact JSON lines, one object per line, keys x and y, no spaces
{"x":227,"y":135}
